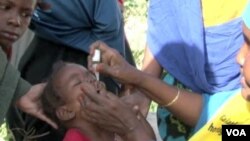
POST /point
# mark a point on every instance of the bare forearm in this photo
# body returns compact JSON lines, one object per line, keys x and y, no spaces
{"x":151,"y":67}
{"x":150,"y":64}
{"x":187,"y":107}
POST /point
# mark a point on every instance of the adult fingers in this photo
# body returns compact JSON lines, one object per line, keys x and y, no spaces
{"x":106,"y":69}
{"x":99,"y":45}
{"x":92,"y":111}
{"x":101,"y":67}
{"x":106,"y":54}
{"x":91,"y":93}
{"x":111,"y":96}
{"x":89,"y":107}
{"x":90,"y":64}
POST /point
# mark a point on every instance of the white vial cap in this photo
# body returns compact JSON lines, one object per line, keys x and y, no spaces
{"x":97,"y":56}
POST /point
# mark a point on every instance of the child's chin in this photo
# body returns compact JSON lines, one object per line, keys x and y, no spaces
{"x":6,"y":44}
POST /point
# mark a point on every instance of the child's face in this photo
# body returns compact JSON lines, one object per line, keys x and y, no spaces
{"x":68,"y":81}
{"x":243,"y":59}
{"x":15,"y":17}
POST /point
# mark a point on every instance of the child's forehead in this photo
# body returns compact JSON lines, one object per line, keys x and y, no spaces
{"x":76,"y":67}
{"x":71,"y":70}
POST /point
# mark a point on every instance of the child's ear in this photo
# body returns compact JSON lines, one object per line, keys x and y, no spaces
{"x":64,"y":113}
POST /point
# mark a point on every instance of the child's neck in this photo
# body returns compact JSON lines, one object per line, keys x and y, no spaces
{"x":93,"y":132}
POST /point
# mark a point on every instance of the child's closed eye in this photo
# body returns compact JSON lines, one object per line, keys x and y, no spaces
{"x":77,"y":82}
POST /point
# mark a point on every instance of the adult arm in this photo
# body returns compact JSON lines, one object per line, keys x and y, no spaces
{"x":151,"y":67}
{"x":187,"y":107}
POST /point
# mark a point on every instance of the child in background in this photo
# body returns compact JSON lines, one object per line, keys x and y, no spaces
{"x":60,"y":101}
{"x":15,"y":16}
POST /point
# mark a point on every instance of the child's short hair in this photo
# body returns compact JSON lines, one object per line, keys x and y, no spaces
{"x":50,"y":98}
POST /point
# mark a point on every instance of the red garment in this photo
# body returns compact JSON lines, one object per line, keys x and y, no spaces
{"x":74,"y":135}
{"x":121,"y":2}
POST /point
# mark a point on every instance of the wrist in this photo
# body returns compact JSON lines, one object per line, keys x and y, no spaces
{"x":139,"y":134}
{"x":140,"y":131}
{"x":137,"y":77}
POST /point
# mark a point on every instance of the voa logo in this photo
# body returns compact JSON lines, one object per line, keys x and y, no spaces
{"x":236,"y":132}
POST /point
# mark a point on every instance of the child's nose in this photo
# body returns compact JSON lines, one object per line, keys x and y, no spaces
{"x":15,"y":19}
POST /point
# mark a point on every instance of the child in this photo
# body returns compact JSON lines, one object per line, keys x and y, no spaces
{"x":60,"y":101}
{"x":15,"y":17}
{"x":204,"y":112}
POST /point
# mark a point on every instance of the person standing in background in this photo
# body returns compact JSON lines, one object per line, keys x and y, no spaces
{"x":200,"y":111}
{"x":187,"y":40}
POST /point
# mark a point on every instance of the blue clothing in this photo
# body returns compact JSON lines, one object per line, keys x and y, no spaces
{"x":78,"y":23}
{"x":203,"y":59}
{"x":197,"y":47}
{"x":211,"y":104}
